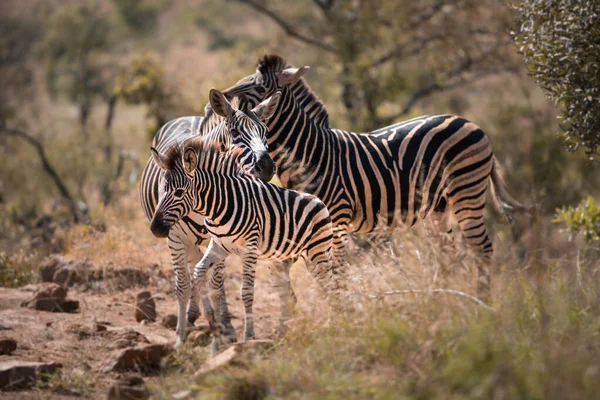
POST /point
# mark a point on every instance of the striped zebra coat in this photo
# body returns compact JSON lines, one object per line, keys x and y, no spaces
{"x":427,"y":167}
{"x":244,"y":216}
{"x":189,"y":234}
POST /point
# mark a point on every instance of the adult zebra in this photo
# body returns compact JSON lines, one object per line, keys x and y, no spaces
{"x":246,"y":216}
{"x":429,"y":166}
{"x":240,"y":129}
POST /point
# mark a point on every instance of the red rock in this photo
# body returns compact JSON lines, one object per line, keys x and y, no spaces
{"x":145,"y":307}
{"x":140,"y":358}
{"x":17,"y":374}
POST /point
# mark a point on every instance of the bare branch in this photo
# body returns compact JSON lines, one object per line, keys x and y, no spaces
{"x":62,"y":188}
{"x":401,"y":52}
{"x":430,"y":291}
{"x":287,"y":27}
{"x":459,"y":80}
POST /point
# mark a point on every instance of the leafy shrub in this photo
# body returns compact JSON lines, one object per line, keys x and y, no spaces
{"x":583,"y":219}
{"x":560,"y":42}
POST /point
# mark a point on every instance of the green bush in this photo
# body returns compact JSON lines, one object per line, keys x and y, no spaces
{"x":559,"y":40}
{"x":583,"y":219}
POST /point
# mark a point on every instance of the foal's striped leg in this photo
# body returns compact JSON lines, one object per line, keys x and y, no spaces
{"x":178,"y":248}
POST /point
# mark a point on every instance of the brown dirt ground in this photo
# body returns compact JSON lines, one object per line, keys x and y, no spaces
{"x":44,"y":336}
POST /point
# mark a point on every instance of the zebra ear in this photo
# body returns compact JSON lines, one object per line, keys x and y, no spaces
{"x":291,"y":75}
{"x":160,"y":159}
{"x":190,"y":160}
{"x":219,"y":104}
{"x":266,"y":109}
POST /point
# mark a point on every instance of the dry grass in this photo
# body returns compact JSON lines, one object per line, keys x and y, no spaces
{"x":540,"y":341}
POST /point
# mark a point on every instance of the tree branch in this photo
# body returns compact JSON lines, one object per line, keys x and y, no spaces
{"x":62,"y":188}
{"x":463,"y":67}
{"x":287,"y":27}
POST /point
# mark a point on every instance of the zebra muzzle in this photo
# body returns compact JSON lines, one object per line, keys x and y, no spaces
{"x":264,"y":168}
{"x":159,"y":228}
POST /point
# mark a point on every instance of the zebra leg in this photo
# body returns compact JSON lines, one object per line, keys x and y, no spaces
{"x":193,"y":311}
{"x":477,"y":238}
{"x":215,"y":254}
{"x":182,"y":279}
{"x":339,"y":245}
{"x":280,"y":278}
{"x":249,"y":258}
{"x":217,"y":297}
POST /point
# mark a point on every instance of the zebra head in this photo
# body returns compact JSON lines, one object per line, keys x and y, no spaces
{"x":272,"y":74}
{"x":175,"y":195}
{"x":248,"y":133}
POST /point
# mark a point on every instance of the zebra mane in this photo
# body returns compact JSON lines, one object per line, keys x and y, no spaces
{"x":213,"y":158}
{"x":271,"y":62}
{"x":306,"y":98}
{"x":212,"y":119}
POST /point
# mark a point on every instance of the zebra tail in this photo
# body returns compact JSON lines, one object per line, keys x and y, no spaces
{"x":504,"y":203}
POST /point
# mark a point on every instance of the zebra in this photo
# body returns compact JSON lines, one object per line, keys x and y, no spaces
{"x":242,"y":130}
{"x":427,"y":167}
{"x":244,"y":216}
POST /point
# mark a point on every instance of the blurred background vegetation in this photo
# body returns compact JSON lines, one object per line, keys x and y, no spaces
{"x":85,"y":84}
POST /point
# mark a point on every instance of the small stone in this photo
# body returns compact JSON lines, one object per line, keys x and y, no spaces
{"x":124,"y":338}
{"x":7,"y":346}
{"x":169,"y":321}
{"x":145,"y":307}
{"x":67,"y":306}
{"x":129,"y":387}
{"x":16,"y":374}
{"x":141,"y":358}
{"x":51,"y":297}
{"x":236,"y":355}
{"x":50,"y":291}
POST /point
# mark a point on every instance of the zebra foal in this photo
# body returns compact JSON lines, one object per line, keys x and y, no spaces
{"x":244,"y":216}
{"x":239,"y":129}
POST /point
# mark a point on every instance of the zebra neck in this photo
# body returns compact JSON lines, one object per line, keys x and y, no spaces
{"x":310,"y":103}
{"x":296,"y":143}
{"x":217,"y":193}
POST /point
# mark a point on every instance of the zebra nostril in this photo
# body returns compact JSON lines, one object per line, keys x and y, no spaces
{"x":159,"y":228}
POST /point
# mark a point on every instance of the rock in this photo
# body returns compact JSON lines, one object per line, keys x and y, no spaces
{"x":17,"y":374}
{"x":140,"y":358}
{"x":169,"y":321}
{"x":49,"y":291}
{"x":7,"y":346}
{"x":59,"y":269}
{"x":236,"y":355}
{"x":51,"y":297}
{"x":67,"y":306}
{"x":198,"y":338}
{"x":129,"y":387}
{"x":145,"y":308}
{"x":125,"y":338}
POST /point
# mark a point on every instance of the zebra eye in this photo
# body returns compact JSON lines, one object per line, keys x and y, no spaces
{"x":179,"y":193}
{"x":234,"y":132}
